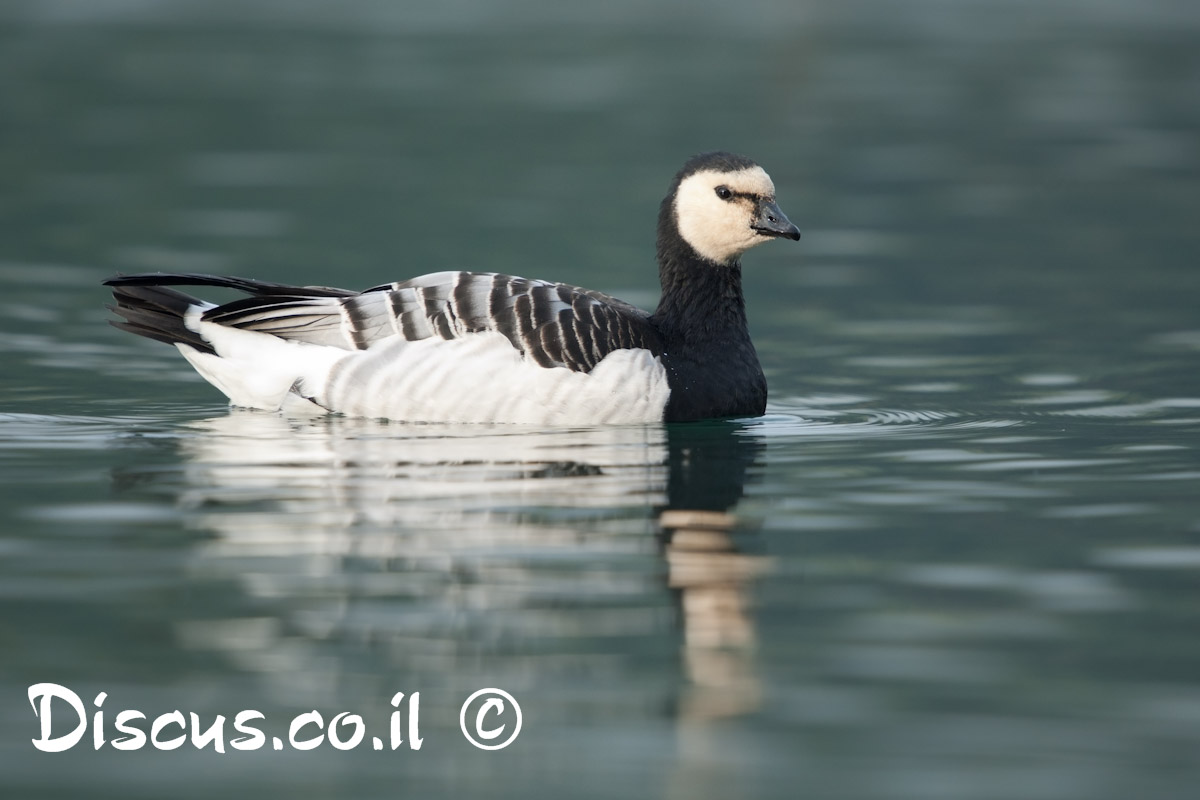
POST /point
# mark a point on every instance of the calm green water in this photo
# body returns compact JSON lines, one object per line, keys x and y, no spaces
{"x":959,"y":558}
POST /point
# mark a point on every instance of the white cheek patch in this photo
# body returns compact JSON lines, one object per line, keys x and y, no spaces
{"x":719,"y":230}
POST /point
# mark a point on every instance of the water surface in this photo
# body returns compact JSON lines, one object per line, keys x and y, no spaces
{"x":959,"y":557}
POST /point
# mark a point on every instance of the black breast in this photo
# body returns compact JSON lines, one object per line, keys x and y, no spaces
{"x":722,"y":382}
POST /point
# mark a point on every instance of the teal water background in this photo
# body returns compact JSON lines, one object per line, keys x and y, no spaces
{"x":959,"y":557}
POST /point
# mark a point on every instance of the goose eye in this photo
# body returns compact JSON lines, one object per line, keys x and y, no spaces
{"x":724,"y":193}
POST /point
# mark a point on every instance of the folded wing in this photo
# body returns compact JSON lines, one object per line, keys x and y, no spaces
{"x":552,"y":324}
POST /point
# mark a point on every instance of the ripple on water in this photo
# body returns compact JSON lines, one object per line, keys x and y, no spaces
{"x":922,"y":329}
{"x":1149,"y":557}
{"x":840,"y":416}
{"x":53,"y":432}
{"x":1063,"y":591}
{"x":1048,"y":379}
{"x":1068,"y":398}
{"x":932,"y":387}
{"x":1187,"y":339}
{"x":922,"y":663}
{"x":949,"y":455}
{"x":988,"y":423}
{"x":1029,"y":464}
{"x":1098,"y":510}
{"x":106,"y":513}
{"x":906,"y":417}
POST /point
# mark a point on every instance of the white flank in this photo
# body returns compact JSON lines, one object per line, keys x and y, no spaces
{"x":477,"y":378}
{"x":481,"y":378}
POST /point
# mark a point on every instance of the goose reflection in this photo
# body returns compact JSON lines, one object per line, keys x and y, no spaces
{"x":706,"y":566}
{"x":434,"y":547}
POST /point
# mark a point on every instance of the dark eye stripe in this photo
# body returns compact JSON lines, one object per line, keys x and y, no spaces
{"x":727,"y":194}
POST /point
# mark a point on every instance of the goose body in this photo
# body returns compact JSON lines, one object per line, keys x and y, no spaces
{"x":484,"y":347}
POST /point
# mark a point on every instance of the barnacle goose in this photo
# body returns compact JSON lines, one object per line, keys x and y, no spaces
{"x":480,"y":347}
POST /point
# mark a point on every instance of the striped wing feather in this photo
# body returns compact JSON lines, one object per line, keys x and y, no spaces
{"x":553,"y":324}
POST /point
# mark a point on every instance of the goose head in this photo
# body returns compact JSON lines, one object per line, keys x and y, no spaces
{"x":723,"y":204}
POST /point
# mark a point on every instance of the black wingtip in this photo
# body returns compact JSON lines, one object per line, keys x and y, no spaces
{"x":172,"y":279}
{"x":155,"y":312}
{"x":247,"y":285}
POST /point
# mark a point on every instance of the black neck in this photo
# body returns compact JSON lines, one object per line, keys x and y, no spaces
{"x":712,"y":368}
{"x":701,"y":300}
